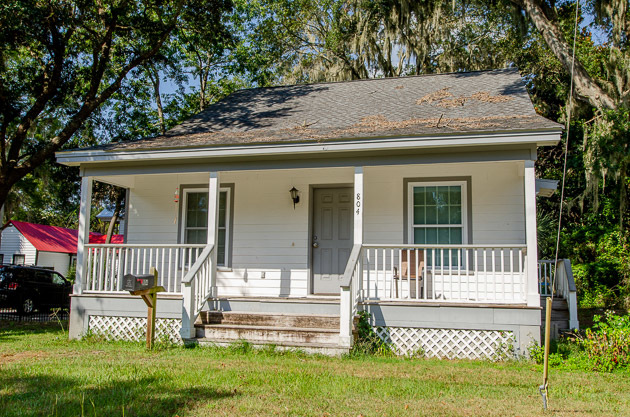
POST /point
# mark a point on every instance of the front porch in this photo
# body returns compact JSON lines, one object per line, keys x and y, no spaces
{"x":261,"y":251}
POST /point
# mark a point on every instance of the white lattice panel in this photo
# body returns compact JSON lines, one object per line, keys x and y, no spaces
{"x":448,"y":343}
{"x":134,"y":328}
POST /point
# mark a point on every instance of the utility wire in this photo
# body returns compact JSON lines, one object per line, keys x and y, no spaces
{"x":543,"y":389}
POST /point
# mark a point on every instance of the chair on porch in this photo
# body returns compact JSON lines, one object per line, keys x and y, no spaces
{"x":410,"y":272}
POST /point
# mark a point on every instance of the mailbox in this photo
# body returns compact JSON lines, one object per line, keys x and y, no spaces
{"x":138,"y":282}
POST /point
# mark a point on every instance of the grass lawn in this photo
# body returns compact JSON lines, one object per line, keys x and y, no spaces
{"x":44,"y":374}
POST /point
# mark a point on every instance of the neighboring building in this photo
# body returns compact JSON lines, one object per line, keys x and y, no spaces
{"x":413,"y":199}
{"x":105,"y":216}
{"x":52,"y":247}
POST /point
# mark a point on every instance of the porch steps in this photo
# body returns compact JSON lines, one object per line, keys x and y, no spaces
{"x":559,"y":316}
{"x":308,"y":332}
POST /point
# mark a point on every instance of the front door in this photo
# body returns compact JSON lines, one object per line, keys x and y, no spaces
{"x":331,"y":238}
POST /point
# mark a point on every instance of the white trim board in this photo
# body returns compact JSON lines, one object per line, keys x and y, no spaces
{"x":77,"y":157}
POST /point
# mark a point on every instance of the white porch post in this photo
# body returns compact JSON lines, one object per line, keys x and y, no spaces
{"x":84,"y":234}
{"x":533,"y":297}
{"x":188,"y":309}
{"x":214,"y":191}
{"x":358,"y":205}
{"x":346,"y":318}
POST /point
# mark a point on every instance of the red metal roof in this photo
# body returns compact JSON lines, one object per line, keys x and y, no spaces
{"x":55,"y":238}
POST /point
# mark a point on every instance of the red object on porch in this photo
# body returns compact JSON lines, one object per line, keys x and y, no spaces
{"x":55,"y":238}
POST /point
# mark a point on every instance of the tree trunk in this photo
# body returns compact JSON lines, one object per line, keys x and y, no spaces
{"x":115,"y":215}
{"x":155,"y":80}
{"x":585,"y":86}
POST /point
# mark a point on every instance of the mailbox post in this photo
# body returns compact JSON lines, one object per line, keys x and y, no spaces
{"x":144,"y":286}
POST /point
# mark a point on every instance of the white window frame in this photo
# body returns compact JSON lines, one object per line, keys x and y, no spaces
{"x":464,"y":198}
{"x":18,"y":255}
{"x":228,"y":199}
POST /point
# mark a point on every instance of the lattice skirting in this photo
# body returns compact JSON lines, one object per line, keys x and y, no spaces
{"x":134,"y":328}
{"x":449,"y":343}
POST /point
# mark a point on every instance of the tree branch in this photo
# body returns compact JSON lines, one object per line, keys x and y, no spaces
{"x":51,"y":81}
{"x":585,"y":86}
{"x":84,"y":112}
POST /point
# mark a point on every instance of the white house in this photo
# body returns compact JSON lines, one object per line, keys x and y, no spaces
{"x":412,"y":198}
{"x":54,"y":247}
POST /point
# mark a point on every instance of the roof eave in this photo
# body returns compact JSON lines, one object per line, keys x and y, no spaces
{"x":542,"y":137}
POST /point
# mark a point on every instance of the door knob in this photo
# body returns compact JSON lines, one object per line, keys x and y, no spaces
{"x":315,"y":245}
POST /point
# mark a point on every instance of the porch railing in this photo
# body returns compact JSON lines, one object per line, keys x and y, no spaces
{"x":444,"y":273}
{"x":108,"y":264}
{"x":197,"y":286}
{"x":350,"y":295}
{"x":561,"y":279}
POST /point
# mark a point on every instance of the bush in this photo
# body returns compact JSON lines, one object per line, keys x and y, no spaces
{"x":607,"y":343}
{"x":604,"y":347}
{"x":368,"y":342}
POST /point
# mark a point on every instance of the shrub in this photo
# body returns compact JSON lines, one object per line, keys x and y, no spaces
{"x":368,"y":342}
{"x":607,"y":343}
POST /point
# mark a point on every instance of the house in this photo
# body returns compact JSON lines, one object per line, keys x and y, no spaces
{"x":413,"y":199}
{"x":54,"y":247}
{"x":105,"y":216}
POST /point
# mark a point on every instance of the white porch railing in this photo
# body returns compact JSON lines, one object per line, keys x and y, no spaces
{"x":431,"y":273}
{"x":350,"y":296}
{"x":444,"y":273}
{"x":561,"y":278}
{"x":108,"y":264}
{"x":198,"y":286}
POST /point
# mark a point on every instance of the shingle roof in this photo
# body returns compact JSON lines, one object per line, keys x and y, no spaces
{"x":56,"y":239}
{"x":484,"y":101}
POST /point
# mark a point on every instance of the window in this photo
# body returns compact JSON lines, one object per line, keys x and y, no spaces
{"x":437,"y":214}
{"x":19,"y":259}
{"x":43,"y":277}
{"x":1,"y":258}
{"x":195,"y":220}
{"x":57,"y":279}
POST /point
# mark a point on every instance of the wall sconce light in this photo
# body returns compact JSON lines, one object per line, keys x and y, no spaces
{"x":294,"y":196}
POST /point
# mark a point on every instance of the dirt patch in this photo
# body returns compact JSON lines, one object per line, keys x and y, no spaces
{"x":453,"y":102}
{"x":485,"y":97}
{"x":434,"y":96}
{"x":21,"y":356}
{"x":445,"y":99}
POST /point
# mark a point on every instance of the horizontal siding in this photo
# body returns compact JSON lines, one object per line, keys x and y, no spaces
{"x":13,"y":242}
{"x":152,"y":216}
{"x":270,"y":236}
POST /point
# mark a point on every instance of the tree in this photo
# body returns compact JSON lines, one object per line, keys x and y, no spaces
{"x":601,"y":77}
{"x":62,"y":60}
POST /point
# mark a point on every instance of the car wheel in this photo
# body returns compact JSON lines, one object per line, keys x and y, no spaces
{"x":27,"y":306}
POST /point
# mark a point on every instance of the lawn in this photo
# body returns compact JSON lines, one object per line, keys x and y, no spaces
{"x":44,"y":374}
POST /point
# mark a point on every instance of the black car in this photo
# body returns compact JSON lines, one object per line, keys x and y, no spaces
{"x":28,"y":288}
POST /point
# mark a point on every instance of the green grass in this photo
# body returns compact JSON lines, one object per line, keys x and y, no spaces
{"x":44,"y":374}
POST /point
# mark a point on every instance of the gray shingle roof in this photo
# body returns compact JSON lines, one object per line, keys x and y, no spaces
{"x":485,"y":101}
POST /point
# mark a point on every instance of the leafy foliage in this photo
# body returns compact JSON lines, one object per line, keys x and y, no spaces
{"x":368,"y":342}
{"x":607,"y":343}
{"x":604,"y":347}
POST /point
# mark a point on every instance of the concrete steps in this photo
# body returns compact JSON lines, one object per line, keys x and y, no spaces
{"x":308,"y":332}
{"x":559,"y":316}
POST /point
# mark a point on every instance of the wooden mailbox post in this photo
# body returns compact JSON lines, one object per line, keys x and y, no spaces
{"x":149,"y":296}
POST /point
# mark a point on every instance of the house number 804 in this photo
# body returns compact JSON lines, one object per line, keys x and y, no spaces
{"x":358,"y":202}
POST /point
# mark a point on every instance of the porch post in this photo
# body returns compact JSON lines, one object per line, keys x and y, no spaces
{"x":347,"y":297}
{"x":214,"y":191}
{"x":533,"y":297}
{"x":83,"y":237}
{"x":358,"y":205}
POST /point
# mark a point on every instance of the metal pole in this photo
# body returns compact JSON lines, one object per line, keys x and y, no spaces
{"x":543,"y":388}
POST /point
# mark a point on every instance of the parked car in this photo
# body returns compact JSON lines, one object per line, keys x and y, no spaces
{"x":28,"y":289}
